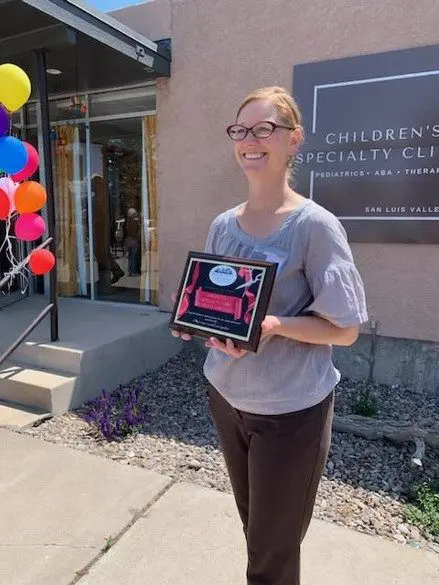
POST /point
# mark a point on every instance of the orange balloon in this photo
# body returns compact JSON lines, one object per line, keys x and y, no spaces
{"x":41,"y":262}
{"x":30,"y":197}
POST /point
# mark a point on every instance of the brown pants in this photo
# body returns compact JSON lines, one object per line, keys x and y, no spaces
{"x":275,"y":465}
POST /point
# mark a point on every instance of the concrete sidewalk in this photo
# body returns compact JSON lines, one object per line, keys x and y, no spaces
{"x":58,"y":507}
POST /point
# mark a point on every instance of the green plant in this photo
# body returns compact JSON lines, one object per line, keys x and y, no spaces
{"x":423,"y":512}
{"x":365,"y":403}
{"x":110,"y":540}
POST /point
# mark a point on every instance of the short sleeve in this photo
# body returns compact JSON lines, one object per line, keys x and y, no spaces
{"x":211,"y":245}
{"x":335,"y":283}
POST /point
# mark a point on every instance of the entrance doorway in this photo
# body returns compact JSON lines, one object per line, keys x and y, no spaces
{"x":117,"y":154}
{"x":104,"y":169}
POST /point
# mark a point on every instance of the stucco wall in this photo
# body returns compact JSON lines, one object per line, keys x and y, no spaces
{"x":151,"y":19}
{"x":221,"y":51}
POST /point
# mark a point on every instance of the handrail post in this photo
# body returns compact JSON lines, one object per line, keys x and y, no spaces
{"x":45,"y":128}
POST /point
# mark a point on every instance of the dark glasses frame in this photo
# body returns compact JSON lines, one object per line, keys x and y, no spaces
{"x":273,"y":125}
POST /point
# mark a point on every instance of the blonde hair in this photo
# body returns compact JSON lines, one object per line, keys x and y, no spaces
{"x":284,"y":103}
{"x":288,"y":109}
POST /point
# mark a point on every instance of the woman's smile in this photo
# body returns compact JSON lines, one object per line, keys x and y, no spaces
{"x":254,"y":155}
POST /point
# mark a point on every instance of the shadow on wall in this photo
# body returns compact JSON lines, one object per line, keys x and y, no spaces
{"x":405,"y":362}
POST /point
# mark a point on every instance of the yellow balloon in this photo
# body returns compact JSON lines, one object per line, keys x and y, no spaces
{"x":15,"y":87}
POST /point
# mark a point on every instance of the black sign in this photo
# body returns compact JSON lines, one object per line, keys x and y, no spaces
{"x":224,"y":297}
{"x":371,"y":151}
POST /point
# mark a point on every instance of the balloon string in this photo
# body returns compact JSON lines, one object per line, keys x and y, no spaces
{"x":15,"y":270}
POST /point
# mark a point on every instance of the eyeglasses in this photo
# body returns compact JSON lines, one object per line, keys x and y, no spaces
{"x":259,"y":130}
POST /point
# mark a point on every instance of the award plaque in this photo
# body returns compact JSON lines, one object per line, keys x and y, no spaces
{"x":224,"y":297}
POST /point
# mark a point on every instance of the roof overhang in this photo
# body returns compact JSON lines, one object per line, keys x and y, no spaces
{"x":93,"y":49}
{"x":108,"y":31}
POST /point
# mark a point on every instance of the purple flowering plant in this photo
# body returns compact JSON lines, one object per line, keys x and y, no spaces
{"x":117,"y":414}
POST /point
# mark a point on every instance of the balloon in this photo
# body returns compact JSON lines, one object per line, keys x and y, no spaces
{"x":30,"y":227}
{"x":5,"y":205}
{"x":15,"y":87}
{"x":33,"y":161}
{"x":13,"y":155}
{"x":29,"y":197}
{"x":4,"y":121}
{"x":9,"y":187}
{"x":41,"y":262}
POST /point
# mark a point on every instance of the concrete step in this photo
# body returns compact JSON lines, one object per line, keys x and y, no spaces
{"x":101,"y":346}
{"x":15,"y":415}
{"x":48,"y":356}
{"x":37,"y":388}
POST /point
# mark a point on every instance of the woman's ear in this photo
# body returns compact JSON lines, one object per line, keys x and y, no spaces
{"x":296,"y":139}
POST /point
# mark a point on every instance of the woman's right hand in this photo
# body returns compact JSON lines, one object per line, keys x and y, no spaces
{"x":174,"y":332}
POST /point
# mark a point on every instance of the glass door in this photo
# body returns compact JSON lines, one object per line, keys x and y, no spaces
{"x":118,"y":218}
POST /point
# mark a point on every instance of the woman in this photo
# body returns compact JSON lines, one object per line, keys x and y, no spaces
{"x":273,"y":409}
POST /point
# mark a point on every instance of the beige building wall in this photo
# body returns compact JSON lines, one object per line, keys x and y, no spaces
{"x":224,"y":49}
{"x":152,"y":19}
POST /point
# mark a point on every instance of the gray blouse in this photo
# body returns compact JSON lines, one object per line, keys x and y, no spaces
{"x":317,"y":272}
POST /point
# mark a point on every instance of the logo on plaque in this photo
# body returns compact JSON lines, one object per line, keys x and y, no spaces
{"x":223,"y":275}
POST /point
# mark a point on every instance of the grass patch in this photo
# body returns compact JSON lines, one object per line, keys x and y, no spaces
{"x":423,"y":510}
{"x":365,"y":402}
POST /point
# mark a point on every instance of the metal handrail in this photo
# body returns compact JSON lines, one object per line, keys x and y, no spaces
{"x":26,"y":333}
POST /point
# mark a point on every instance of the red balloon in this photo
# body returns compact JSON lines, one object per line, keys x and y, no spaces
{"x":5,"y":205}
{"x":41,"y":262}
{"x":9,"y":187}
{"x":33,"y":162}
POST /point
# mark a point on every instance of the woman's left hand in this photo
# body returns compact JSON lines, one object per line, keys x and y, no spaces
{"x":269,"y":325}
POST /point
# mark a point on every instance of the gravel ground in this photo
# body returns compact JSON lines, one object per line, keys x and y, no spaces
{"x":364,"y":485}
{"x":415,"y":405}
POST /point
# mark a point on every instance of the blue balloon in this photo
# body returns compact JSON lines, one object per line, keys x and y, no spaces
{"x":13,"y":155}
